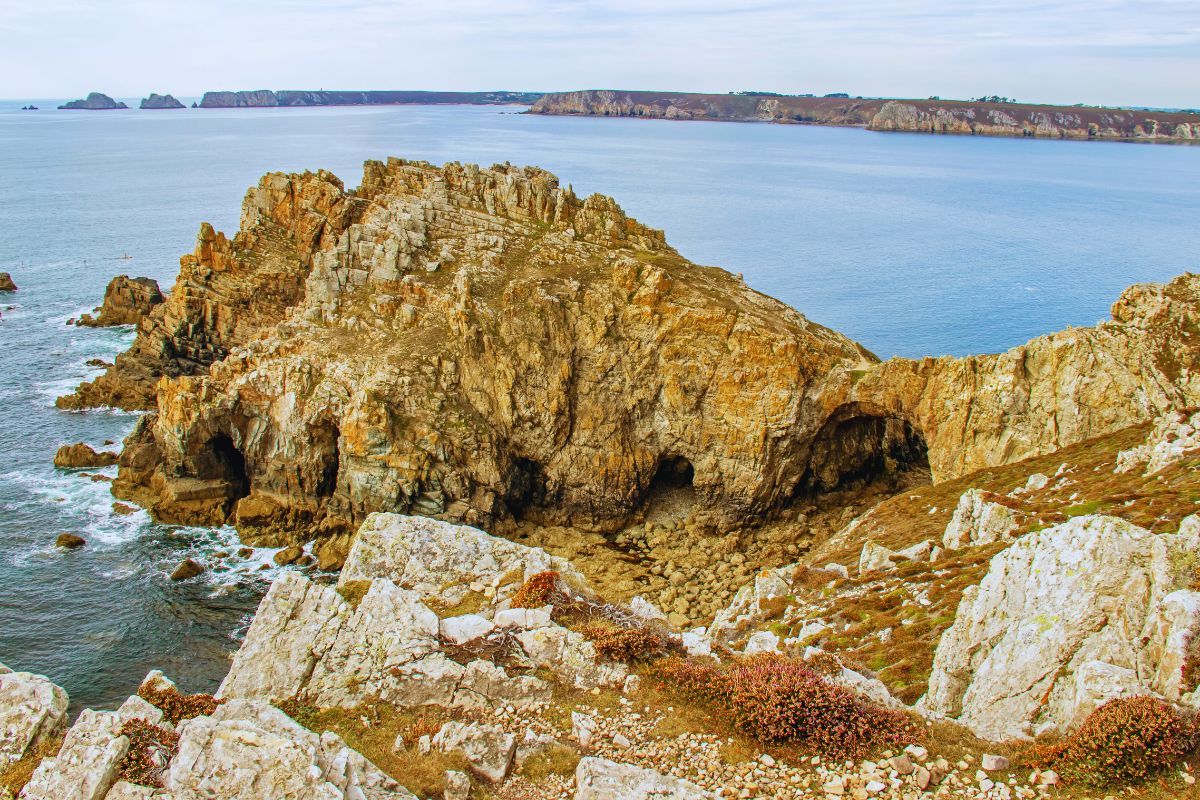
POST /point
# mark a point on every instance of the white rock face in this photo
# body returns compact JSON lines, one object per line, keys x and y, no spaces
{"x":747,"y":605}
{"x":762,"y":642}
{"x":307,"y":638}
{"x":569,"y":654}
{"x":32,"y":709}
{"x":86,"y":766}
{"x":427,"y":555}
{"x":248,"y":750}
{"x":466,"y":628}
{"x":978,"y":521}
{"x":489,"y":749}
{"x":1174,"y":436}
{"x":137,"y":708}
{"x":1065,"y":619}
{"x":124,"y":790}
{"x":523,"y":617}
{"x":601,"y":779}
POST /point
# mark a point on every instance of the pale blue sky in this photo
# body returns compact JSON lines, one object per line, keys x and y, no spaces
{"x":1144,"y":52}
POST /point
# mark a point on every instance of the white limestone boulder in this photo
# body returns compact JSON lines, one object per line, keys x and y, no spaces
{"x":86,"y":765}
{"x":430,"y":556}
{"x":601,"y":779}
{"x":306,"y":639}
{"x":571,"y":656}
{"x":465,"y":628}
{"x":979,"y":521}
{"x":1065,"y":619}
{"x":249,"y":750}
{"x":1175,"y":435}
{"x":32,"y":710}
{"x":747,"y":605}
{"x":489,"y":749}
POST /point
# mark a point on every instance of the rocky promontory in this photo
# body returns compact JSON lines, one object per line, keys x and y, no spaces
{"x":916,"y":116}
{"x":160,"y":101}
{"x":265,"y":98}
{"x":127,"y":301}
{"x":94,"y":102}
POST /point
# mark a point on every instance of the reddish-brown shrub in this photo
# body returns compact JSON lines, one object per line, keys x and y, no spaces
{"x":1122,"y":741}
{"x":150,"y":750}
{"x":630,"y":645}
{"x":540,"y":590}
{"x":779,"y":699}
{"x":177,"y":706}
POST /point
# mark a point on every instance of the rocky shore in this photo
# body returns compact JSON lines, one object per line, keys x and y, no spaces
{"x":914,"y":116}
{"x":265,"y":98}
{"x":566,"y":515}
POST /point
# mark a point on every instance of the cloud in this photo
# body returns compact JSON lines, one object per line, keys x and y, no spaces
{"x":1118,"y":51}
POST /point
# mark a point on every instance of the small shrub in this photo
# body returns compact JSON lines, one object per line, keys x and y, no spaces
{"x":1123,"y":741}
{"x":177,"y":706}
{"x":630,"y":645}
{"x":540,"y":590}
{"x":150,"y":751}
{"x":777,"y":699}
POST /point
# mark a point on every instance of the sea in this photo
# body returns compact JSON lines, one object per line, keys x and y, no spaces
{"x":912,"y":244}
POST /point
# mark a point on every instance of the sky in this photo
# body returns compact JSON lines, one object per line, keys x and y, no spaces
{"x":1115,"y":52}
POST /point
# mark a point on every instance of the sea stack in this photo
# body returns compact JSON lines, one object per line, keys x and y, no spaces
{"x":160,"y":101}
{"x":94,"y":102}
{"x":126,"y":301}
{"x":6,"y":283}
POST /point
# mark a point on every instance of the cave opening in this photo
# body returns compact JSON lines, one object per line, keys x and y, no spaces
{"x":327,"y":441}
{"x":228,"y":464}
{"x":673,"y":472}
{"x":526,"y":487}
{"x":857,"y":450}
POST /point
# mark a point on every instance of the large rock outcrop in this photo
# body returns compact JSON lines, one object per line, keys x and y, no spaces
{"x":96,"y":101}
{"x":1068,"y":618}
{"x":127,"y":301}
{"x":32,"y":710}
{"x":1054,"y":391}
{"x":160,"y":101}
{"x":476,"y":344}
{"x":461,"y":342}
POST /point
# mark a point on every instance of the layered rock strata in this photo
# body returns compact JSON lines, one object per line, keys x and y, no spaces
{"x":127,"y":301}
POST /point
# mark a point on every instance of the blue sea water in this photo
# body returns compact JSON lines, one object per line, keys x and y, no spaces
{"x":914,"y":245}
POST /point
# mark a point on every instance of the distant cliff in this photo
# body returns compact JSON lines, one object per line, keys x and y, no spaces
{"x":94,"y":102}
{"x":918,"y":116}
{"x":267,"y":98}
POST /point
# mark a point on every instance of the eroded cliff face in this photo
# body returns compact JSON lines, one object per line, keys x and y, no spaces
{"x":1054,"y":391}
{"x":468,"y":343}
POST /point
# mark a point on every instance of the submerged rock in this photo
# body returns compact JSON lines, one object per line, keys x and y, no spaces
{"x":69,"y":541}
{"x":1065,"y":619}
{"x":187,"y":569}
{"x":127,"y":301}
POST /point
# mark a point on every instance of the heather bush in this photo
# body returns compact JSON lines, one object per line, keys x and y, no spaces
{"x":150,"y":750}
{"x":177,"y":706}
{"x":631,"y":645}
{"x":1123,"y":741}
{"x":540,"y":590}
{"x":780,"y":699}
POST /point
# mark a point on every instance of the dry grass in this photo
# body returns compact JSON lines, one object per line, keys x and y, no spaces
{"x":14,"y":777}
{"x":557,"y":759}
{"x":372,"y":728}
{"x":353,"y":592}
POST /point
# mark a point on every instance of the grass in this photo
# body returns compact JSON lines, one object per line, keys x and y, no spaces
{"x":14,"y":777}
{"x":372,"y":728}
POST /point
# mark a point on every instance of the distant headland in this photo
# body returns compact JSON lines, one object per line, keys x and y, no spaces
{"x":990,"y":116}
{"x":265,"y":98}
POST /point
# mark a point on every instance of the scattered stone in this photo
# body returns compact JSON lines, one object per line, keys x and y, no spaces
{"x":601,"y":779}
{"x":993,"y":763}
{"x":458,"y":785}
{"x":187,"y":569}
{"x":69,"y":541}
{"x":583,"y":727}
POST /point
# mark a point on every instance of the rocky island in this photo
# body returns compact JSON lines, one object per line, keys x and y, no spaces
{"x":915,"y":116}
{"x":94,"y":102}
{"x":569,"y":516}
{"x":160,"y":101}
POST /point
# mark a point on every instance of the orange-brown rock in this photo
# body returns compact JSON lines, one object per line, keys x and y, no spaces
{"x":127,"y":301}
{"x":82,"y":456}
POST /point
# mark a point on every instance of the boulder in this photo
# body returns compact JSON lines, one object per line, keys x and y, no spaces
{"x":571,"y":656}
{"x":978,"y":520}
{"x":127,"y":301}
{"x":601,"y":779}
{"x":458,"y":786}
{"x":82,"y":456}
{"x":86,"y":765}
{"x":6,"y":283}
{"x":875,"y":558}
{"x":1065,"y":619}
{"x":306,"y":639}
{"x":32,"y":710}
{"x":186,"y":570}
{"x":289,"y":555}
{"x":465,"y":628}
{"x":248,"y":750}
{"x":748,"y":604}
{"x":489,"y":749}
{"x":69,"y":541}
{"x":428,"y":555}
